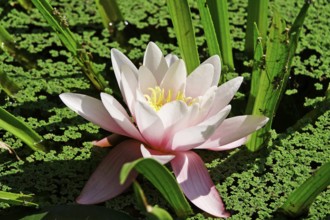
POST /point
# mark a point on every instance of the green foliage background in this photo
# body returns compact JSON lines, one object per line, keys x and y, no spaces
{"x":252,"y":185}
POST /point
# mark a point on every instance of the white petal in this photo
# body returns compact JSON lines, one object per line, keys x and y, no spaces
{"x":172,"y":112}
{"x":235,"y":128}
{"x":191,"y":137}
{"x":155,"y":61}
{"x":175,"y":78}
{"x":224,"y":94}
{"x":171,"y":59}
{"x":215,"y":145}
{"x":199,"y":81}
{"x":91,"y":109}
{"x":119,"y":114}
{"x":118,"y":59}
{"x":157,"y":155}
{"x":146,"y":80}
{"x":129,"y":85}
{"x":150,"y":125}
{"x":215,"y":61}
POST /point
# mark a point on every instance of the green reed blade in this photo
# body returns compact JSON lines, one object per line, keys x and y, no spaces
{"x":110,"y":13}
{"x":274,"y":74}
{"x":152,"y":212}
{"x":182,"y":23}
{"x":209,"y":31}
{"x":17,"y":199}
{"x":299,"y":201}
{"x":21,"y":130}
{"x":8,"y":85}
{"x":257,"y":13}
{"x":220,"y":17}
{"x":258,"y":62}
{"x":8,"y":45}
{"x":26,"y":4}
{"x":60,"y":25}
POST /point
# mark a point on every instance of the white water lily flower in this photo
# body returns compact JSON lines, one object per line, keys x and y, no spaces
{"x":170,"y":114}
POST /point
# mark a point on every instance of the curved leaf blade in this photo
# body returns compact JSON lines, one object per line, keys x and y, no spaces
{"x":162,"y":179}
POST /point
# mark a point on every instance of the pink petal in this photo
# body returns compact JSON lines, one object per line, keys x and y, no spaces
{"x":224,"y":94}
{"x":175,"y":78}
{"x":111,"y":140}
{"x":149,"y":124}
{"x":92,"y":110}
{"x":104,"y":182}
{"x":196,"y":183}
{"x":170,"y":59}
{"x":191,"y":137}
{"x":118,"y":59}
{"x":235,"y":128}
{"x":199,"y":81}
{"x":155,"y":61}
{"x":119,"y":114}
{"x":161,"y":157}
{"x":216,"y":63}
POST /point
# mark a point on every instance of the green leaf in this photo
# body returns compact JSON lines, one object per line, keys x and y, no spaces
{"x":17,"y":199}
{"x":60,"y":25}
{"x":21,"y":130}
{"x":182,"y":23}
{"x":162,"y":179}
{"x":220,"y":17}
{"x":299,"y":201}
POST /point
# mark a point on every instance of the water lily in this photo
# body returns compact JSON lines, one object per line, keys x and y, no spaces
{"x":170,"y":115}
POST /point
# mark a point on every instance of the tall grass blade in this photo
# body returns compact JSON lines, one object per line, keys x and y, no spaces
{"x":209,"y":31}
{"x":219,"y":13}
{"x":17,"y":199}
{"x":257,"y":13}
{"x":60,"y":25}
{"x":152,"y":212}
{"x":21,"y":130}
{"x":110,"y":13}
{"x":275,"y":71}
{"x":26,"y":4}
{"x":8,"y":85}
{"x":299,"y":201}
{"x":8,"y":45}
{"x":258,"y":62}
{"x":182,"y":23}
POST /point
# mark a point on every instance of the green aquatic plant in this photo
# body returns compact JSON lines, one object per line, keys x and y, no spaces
{"x":21,"y":130}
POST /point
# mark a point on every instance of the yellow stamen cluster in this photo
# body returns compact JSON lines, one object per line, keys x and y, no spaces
{"x":158,"y":97}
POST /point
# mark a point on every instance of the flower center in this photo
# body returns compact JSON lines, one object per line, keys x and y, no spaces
{"x":158,"y":97}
